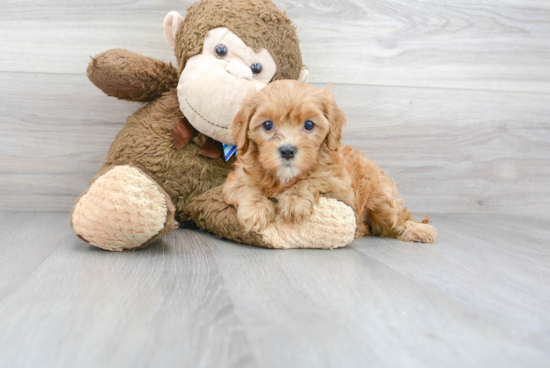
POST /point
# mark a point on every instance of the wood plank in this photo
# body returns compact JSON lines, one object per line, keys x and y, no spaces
{"x":39,"y":37}
{"x":497,"y":263}
{"x":27,"y":239}
{"x":380,"y":302}
{"x":164,"y":306}
{"x":42,"y":192}
{"x":493,"y":45}
{"x":63,"y":118}
{"x":54,"y":138}
{"x":448,"y":150}
{"x":455,"y":150}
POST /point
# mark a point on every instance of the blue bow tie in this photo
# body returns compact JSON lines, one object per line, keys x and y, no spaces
{"x":229,"y":151}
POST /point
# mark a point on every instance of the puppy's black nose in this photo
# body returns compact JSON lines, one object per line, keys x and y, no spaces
{"x":287,"y":152}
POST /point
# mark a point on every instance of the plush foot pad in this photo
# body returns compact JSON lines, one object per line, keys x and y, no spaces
{"x":123,"y":209}
{"x":331,"y":225}
{"x":418,"y":232}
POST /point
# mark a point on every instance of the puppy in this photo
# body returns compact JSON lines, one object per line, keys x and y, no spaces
{"x":288,"y":140}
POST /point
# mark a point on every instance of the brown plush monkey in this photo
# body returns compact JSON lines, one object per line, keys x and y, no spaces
{"x":167,"y":164}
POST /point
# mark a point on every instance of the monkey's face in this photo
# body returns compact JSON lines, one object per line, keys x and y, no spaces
{"x":214,"y":84}
{"x":215,"y":46}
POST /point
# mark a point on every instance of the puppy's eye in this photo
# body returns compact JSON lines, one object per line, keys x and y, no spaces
{"x":256,"y":68}
{"x":221,"y":51}
{"x":309,"y":125}
{"x":268,"y":125}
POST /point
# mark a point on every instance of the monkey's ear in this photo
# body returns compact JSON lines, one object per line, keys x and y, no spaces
{"x":241,"y":122}
{"x":336,"y":119}
{"x":304,"y":74}
{"x":172,"y":23}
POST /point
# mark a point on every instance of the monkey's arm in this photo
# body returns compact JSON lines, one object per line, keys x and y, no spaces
{"x":331,"y":225}
{"x":130,"y":76}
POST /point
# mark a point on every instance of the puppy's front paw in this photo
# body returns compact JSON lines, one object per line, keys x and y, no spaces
{"x":295,"y":207}
{"x":256,"y":216}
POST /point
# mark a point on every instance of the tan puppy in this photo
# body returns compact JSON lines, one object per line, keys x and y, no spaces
{"x":289,"y":154}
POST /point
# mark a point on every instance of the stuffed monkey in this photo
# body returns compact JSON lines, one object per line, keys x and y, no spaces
{"x":167,"y":165}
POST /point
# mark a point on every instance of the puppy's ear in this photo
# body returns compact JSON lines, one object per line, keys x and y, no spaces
{"x":336,"y":119}
{"x":239,"y":127}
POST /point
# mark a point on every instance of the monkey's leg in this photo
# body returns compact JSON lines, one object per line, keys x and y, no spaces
{"x":130,"y":76}
{"x":123,"y":209}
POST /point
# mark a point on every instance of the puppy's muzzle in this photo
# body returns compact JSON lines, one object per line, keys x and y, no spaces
{"x":287,"y":152}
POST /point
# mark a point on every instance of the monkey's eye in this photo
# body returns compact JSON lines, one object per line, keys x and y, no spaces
{"x":221,"y":51}
{"x":256,"y":68}
{"x":309,"y":125}
{"x":268,"y":125}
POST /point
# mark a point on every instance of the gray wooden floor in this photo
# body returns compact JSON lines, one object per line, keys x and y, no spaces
{"x":479,"y":298}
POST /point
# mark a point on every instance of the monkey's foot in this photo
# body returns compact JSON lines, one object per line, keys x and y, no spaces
{"x":331,"y":225}
{"x":123,"y":209}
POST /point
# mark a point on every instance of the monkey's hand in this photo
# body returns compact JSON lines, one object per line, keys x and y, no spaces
{"x":332,"y":224}
{"x":130,"y":76}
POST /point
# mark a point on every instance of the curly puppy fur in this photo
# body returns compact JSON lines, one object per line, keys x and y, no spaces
{"x":267,"y":182}
{"x":262,"y":173}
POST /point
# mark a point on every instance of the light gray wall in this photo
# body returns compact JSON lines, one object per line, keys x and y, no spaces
{"x":451,"y":98}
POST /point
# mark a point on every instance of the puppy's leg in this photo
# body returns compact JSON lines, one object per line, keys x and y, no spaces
{"x":296,"y":203}
{"x":390,"y":219}
{"x":378,"y":206}
{"x":254,"y":210}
